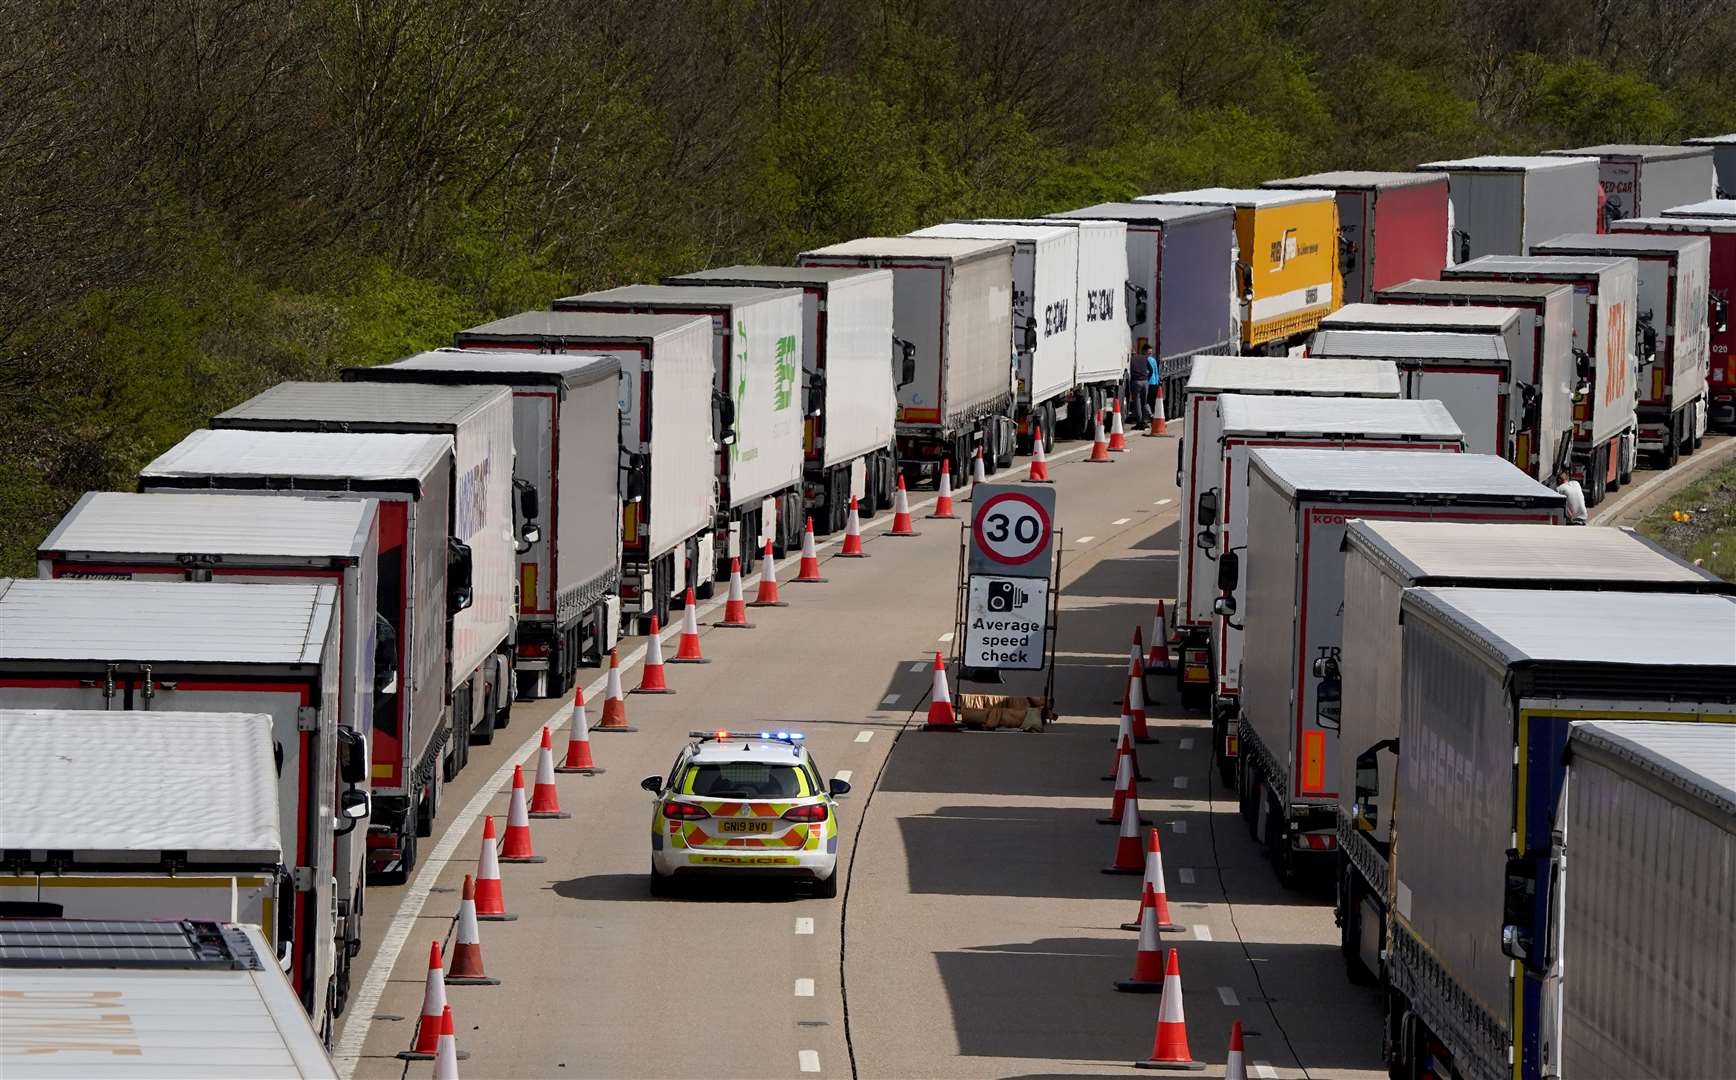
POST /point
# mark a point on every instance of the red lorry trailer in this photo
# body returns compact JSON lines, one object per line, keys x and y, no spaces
{"x":1392,"y":226}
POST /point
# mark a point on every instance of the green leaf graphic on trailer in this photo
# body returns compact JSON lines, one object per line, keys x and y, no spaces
{"x":740,"y":387}
{"x":784,"y":389}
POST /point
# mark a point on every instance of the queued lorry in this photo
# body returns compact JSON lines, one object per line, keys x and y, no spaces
{"x":1544,"y":370}
{"x":1179,"y":261}
{"x":1643,"y":180}
{"x":1392,"y":226}
{"x":1299,"y":503}
{"x":669,"y":493}
{"x":953,"y":320}
{"x":146,"y":646}
{"x":849,"y":388}
{"x":1502,"y":204}
{"x":1286,"y":276}
{"x":1720,"y":235}
{"x":1382,"y":559}
{"x":1258,"y":421}
{"x":1605,"y":332}
{"x":756,"y":356}
{"x":421,"y":584}
{"x":1673,"y":351}
{"x":566,"y":433}
{"x":1711,"y":208}
{"x":139,"y":1000}
{"x":1723,"y":149}
{"x":1493,"y":682}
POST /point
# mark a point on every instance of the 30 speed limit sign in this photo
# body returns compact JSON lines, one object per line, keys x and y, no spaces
{"x":1012,"y":530}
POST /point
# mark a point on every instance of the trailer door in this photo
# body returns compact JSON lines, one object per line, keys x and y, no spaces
{"x":1473,"y":396}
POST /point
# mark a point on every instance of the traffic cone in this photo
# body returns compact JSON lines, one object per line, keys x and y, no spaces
{"x":1099,"y":445}
{"x":1126,"y":791}
{"x":490,"y":899}
{"x":1169,"y":1050}
{"x":1136,"y":707}
{"x":1147,"y":958}
{"x":651,"y":680}
{"x":446,"y":1053}
{"x":1159,"y":658}
{"x":545,"y":801}
{"x":1159,"y":426}
{"x":517,"y":847}
{"x":809,"y":570}
{"x":1124,"y":746}
{"x":767,"y":596}
{"x":1134,"y":662}
{"x":427,"y":1041}
{"x":687,"y":646}
{"x":852,"y":548}
{"x":901,"y":513}
{"x":1117,"y":433}
{"x":940,"y":714}
{"x":614,"y":701}
{"x":978,"y":473}
{"x":466,"y":968}
{"x":1039,"y":463}
{"x":1128,"y":858}
{"x":578,"y":758}
{"x":943,"y":501}
{"x":1234,"y":1067}
{"x":1151,"y":893}
{"x":735,"y":607}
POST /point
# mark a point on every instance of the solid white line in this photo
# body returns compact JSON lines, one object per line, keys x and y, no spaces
{"x":1228,"y":997}
{"x":1120,"y":521}
{"x":809,"y":1060}
{"x":1185,"y":875}
{"x":1202,"y":932}
{"x":1163,"y":502}
{"x":864,"y":736}
{"x":1084,"y":539}
{"x":844,"y":775}
{"x":804,"y":926}
{"x":889,"y":699}
{"x":804,"y":988}
{"x":1180,"y":782}
{"x":1179,"y":826}
{"x":946,"y":636}
{"x":1265,"y":1071}
{"x":1185,"y":744}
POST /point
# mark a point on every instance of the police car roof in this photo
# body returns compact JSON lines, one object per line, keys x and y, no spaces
{"x":747,"y":747}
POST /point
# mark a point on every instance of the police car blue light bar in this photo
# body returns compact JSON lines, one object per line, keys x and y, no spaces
{"x":778,"y":736}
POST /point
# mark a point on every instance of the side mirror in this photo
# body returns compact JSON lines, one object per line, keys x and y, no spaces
{"x":1647,"y":337}
{"x":1030,"y":334}
{"x":1229,"y":571}
{"x":352,"y":756}
{"x":385,"y":656}
{"x":723,"y":417}
{"x":285,"y":934}
{"x":1245,"y":282}
{"x":1524,"y":910}
{"x":1329,"y":701}
{"x":1138,"y":306}
{"x":653,"y":784}
{"x":1530,"y":401}
{"x":1585,"y":371}
{"x":527,"y":536}
{"x":1464,"y":239}
{"x":1224,"y":605}
{"x":903,"y":362}
{"x":529,"y":505}
{"x":1207,"y":508}
{"x":838,"y":787}
{"x":1346,"y":252}
{"x":354,"y":806}
{"x":637,"y":481}
{"x":460,"y":584}
{"x":1206,"y":539}
{"x":1719,"y":315}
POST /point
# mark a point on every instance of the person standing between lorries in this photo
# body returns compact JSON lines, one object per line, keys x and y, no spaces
{"x":1152,"y":382}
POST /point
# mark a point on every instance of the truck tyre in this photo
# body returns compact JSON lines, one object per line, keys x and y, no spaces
{"x":1686,"y":446}
{"x":1350,"y":926}
{"x":504,"y":672}
{"x":1007,"y":429}
{"x":1596,"y":469}
{"x":482,"y":731}
{"x":1049,"y":428}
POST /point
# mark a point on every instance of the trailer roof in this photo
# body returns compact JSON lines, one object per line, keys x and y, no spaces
{"x":789,"y":277}
{"x":1691,"y":225}
{"x":1619,"y":244}
{"x":915,"y":247}
{"x":1712,"y":208}
{"x":169,"y":523}
{"x":1508,"y":163}
{"x":1161,"y":213}
{"x":1698,"y":759}
{"x":1357,"y":180}
{"x":147,"y":621}
{"x":313,"y":455}
{"x":1494,"y":290}
{"x":363,"y":404}
{"x":1712,"y":140}
{"x":676,"y":296}
{"x":1642,"y":151}
{"x":1259,"y":414}
{"x":1571,"y":626}
{"x":1293,"y":375}
{"x":997,"y":230}
{"x":1434,"y":552}
{"x":508,"y":366}
{"x":1561,"y":265}
{"x":1300,"y":471}
{"x":554,"y":325}
{"x":1410,"y":344}
{"x":1244,"y":197}
{"x":90,"y":781}
{"x":1356,"y":316}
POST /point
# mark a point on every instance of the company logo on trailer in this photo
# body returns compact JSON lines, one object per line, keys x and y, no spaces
{"x":473,"y":499}
{"x":1055,"y":318}
{"x":1099,"y":305}
{"x":1615,"y":354}
{"x":784,"y":374}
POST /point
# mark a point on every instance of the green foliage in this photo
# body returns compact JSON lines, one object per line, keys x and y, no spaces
{"x":1587,"y":103}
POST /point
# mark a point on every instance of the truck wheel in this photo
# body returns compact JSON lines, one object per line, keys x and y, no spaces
{"x":1350,"y":928}
{"x":1009,"y":432}
{"x":1672,"y":451}
{"x":1596,"y":469}
{"x":1049,"y":428}
{"x":1688,"y":426}
{"x":1629,"y":451}
{"x":482,"y":732}
{"x":1245,"y":796}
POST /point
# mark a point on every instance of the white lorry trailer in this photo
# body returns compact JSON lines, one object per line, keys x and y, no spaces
{"x":132,"y":646}
{"x":1504,"y":204}
{"x":1381,"y":560}
{"x":1723,"y":149}
{"x":669,"y":493}
{"x":757,"y":366}
{"x":1493,"y":680}
{"x":1640,"y":181}
{"x":1605,"y":424}
{"x":849,"y":388}
{"x":417,"y":586}
{"x":1705,"y":208}
{"x":134,"y":1000}
{"x":1250,"y":422}
{"x":1674,"y":347}
{"x":566,"y":433}
{"x":1544,"y":371}
{"x":953,"y":316}
{"x":1299,"y":501}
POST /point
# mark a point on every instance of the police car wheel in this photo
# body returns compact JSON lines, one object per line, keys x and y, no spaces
{"x":827,"y":888}
{"x":661,"y":884}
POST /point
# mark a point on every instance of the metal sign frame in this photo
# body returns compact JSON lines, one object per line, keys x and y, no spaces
{"x":1051,"y":632}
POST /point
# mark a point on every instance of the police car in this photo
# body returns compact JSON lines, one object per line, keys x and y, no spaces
{"x":748,"y":802}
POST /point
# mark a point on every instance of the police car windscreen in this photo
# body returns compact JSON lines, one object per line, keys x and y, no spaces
{"x":745,"y":780}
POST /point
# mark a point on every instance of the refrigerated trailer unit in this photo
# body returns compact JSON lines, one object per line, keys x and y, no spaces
{"x":1605,"y":425}
{"x":1723,"y":163}
{"x":1544,"y":371}
{"x":1493,"y":681}
{"x":1720,"y":234}
{"x":953,"y":318}
{"x":411,"y":478}
{"x":1180,"y":266}
{"x":121,"y":646}
{"x":1252,"y":422}
{"x":1503,"y":204}
{"x":669,"y":493}
{"x":1639,"y":181}
{"x":849,"y":396}
{"x":1286,"y":275}
{"x":566,"y":431}
{"x":1381,"y":560}
{"x":134,"y":1000}
{"x":1299,"y":502}
{"x":1392,"y":226}
{"x":1674,"y":353}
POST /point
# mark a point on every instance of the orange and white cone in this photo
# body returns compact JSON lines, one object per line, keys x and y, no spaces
{"x":767,"y":596}
{"x":1234,"y":1067}
{"x":1147,"y":959}
{"x":943,"y":501}
{"x":490,"y":899}
{"x":1124,"y":746}
{"x":1136,"y":707}
{"x":651,"y":677}
{"x":1151,"y":893}
{"x":1159,"y":426}
{"x":1099,"y":445}
{"x":852,"y":548}
{"x":809,"y":570}
{"x":1169,"y":1050}
{"x":427,"y":1040}
{"x":1135,"y":654}
{"x":1039,"y":462}
{"x":978,"y":472}
{"x":614,"y":701}
{"x":901,"y":525}
{"x":446,"y":1054}
{"x":735,"y":607}
{"x":545,"y":800}
{"x":1117,"y":433}
{"x":940,"y":714}
{"x":466,"y":968}
{"x":1159,"y":658}
{"x":1128,"y":858}
{"x":579,"y":758}
{"x":687,"y":646}
{"x":517,"y":847}
{"x":1126,"y":793}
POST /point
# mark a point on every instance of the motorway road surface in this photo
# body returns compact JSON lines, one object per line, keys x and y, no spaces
{"x":975,"y":936}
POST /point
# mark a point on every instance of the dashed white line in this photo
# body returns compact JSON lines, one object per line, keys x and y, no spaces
{"x":809,"y":1060}
{"x":1265,"y":1071}
{"x":1180,"y":782}
{"x":1084,"y":539}
{"x":864,"y":736}
{"x":804,"y":926}
{"x":889,"y":699}
{"x":1185,"y":875}
{"x":1163,"y":502}
{"x":1120,"y":521}
{"x":844,"y":775}
{"x":804,"y":988}
{"x":946,"y":636}
{"x":1202,"y":932}
{"x":1179,"y":826}
{"x":1228,"y":997}
{"x":1185,"y":744}
{"x":918,"y":666}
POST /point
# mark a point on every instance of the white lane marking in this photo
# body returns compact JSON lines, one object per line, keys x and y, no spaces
{"x":844,"y":775}
{"x":1228,"y":997}
{"x":1120,"y":521}
{"x":864,"y":736}
{"x":804,"y":988}
{"x":1084,"y":539}
{"x":1202,"y":932}
{"x":1265,"y":1071}
{"x":889,"y":699}
{"x":804,"y":926}
{"x":1185,"y":744}
{"x":1163,"y":502}
{"x":918,"y":666}
{"x":809,"y":1060}
{"x":1180,"y":782}
{"x":1185,"y":875}
{"x":1179,"y":826}
{"x":946,"y":636}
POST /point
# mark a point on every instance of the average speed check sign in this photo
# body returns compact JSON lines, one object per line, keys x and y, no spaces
{"x":1012,"y":530}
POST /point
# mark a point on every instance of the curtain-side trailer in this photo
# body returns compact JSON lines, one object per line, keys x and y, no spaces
{"x":1493,"y":680}
{"x":1720,"y":234}
{"x":1504,"y":204}
{"x":411,"y":478}
{"x":1392,"y":226}
{"x":1299,"y":502}
{"x":566,"y":431}
{"x":1723,"y":149}
{"x":1639,"y":181}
